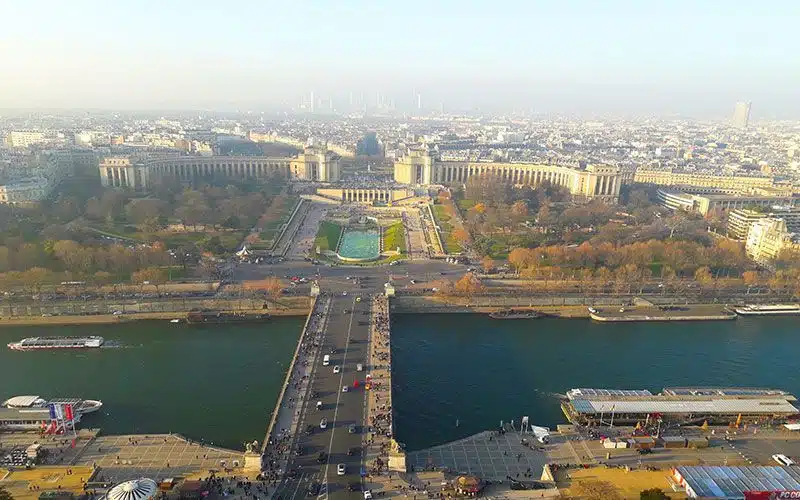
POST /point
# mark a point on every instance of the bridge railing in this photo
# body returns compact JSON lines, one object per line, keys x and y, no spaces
{"x":288,"y":378}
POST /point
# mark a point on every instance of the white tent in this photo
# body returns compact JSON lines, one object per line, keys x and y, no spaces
{"x":136,"y":489}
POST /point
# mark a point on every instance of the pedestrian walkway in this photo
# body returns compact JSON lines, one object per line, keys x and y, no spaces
{"x":378,"y":441}
{"x":416,"y":242}
{"x":283,"y":432}
{"x":302,"y":242}
{"x":294,"y":226}
{"x":491,"y":455}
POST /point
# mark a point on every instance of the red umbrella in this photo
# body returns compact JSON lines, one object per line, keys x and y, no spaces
{"x":355,"y":383}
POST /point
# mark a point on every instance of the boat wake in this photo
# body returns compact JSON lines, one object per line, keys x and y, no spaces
{"x":551,"y":394}
{"x":113,"y":344}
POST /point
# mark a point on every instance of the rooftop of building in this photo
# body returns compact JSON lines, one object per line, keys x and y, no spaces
{"x":733,"y":481}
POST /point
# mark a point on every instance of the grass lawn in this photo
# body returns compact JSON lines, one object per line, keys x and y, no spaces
{"x":500,"y":246}
{"x":228,"y":239}
{"x":327,"y":236}
{"x":443,"y":220}
{"x":394,"y":236}
{"x":465,"y":205}
{"x":441,"y":215}
{"x":267,"y":235}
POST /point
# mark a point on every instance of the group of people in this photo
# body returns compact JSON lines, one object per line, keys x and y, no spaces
{"x":227,"y":486}
{"x":380,"y":414}
{"x":279,"y":445}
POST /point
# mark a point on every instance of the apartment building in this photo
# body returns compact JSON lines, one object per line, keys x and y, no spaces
{"x":767,"y":238}
{"x":741,"y":220}
{"x":25,"y":138}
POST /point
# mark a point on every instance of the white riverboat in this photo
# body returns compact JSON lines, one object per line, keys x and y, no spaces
{"x":33,"y":412}
{"x":39,"y":343}
{"x":767,"y":309}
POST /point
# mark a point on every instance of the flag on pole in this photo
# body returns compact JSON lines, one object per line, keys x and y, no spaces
{"x":68,"y":411}
{"x":59,"y":412}
{"x":52,"y":408}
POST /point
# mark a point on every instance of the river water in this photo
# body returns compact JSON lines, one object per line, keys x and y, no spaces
{"x":458,"y":374}
{"x":220,"y":382}
{"x":213,"y":382}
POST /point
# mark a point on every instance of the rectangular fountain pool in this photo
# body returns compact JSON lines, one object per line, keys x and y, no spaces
{"x":360,"y":244}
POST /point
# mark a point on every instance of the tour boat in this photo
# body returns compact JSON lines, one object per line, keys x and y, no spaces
{"x":766,"y":310}
{"x":34,"y":343}
{"x":514,"y":314}
{"x":34,"y":412}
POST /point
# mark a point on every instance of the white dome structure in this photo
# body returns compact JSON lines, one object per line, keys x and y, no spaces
{"x":135,"y":489}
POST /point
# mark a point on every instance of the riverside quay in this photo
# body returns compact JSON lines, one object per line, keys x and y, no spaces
{"x":680,"y":405}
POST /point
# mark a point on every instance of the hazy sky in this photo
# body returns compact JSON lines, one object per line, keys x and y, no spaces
{"x":684,"y":57}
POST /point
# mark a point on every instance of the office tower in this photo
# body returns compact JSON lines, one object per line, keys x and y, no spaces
{"x":419,"y":102}
{"x":741,"y":114}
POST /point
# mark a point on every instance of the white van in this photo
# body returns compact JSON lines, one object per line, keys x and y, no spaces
{"x":326,"y":360}
{"x":783,"y":459}
{"x":359,"y":367}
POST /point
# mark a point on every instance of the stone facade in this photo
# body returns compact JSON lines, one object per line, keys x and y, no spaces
{"x":718,"y":183}
{"x":314,"y":164}
{"x":767,"y":238}
{"x":365,"y":195}
{"x":418,"y":167}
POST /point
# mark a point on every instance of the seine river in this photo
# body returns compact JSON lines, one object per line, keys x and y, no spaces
{"x":472,"y":371}
{"x":219,"y":382}
{"x":213,"y":382}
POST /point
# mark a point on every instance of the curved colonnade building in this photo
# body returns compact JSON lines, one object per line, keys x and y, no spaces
{"x":418,"y":167}
{"x":314,"y":164}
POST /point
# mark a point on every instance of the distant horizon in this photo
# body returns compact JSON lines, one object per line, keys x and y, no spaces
{"x":276,"y":114}
{"x":620,"y":57}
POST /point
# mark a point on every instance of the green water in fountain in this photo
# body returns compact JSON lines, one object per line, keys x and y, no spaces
{"x":360,"y":244}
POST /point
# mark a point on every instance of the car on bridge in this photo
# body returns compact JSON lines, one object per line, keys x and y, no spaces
{"x":323,"y":424}
{"x":337,"y":369}
{"x":345,"y":388}
{"x":341,"y":469}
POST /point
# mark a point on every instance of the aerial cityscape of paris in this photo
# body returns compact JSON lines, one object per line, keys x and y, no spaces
{"x":429,"y":250}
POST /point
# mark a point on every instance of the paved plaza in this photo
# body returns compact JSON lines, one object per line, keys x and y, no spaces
{"x":488,"y":455}
{"x":301,"y":245}
{"x":156,"y":456}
